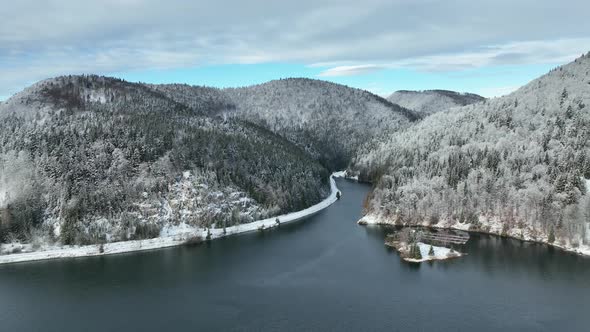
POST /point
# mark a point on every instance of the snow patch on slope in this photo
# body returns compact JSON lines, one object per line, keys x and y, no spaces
{"x":440,"y":253}
{"x":345,"y":175}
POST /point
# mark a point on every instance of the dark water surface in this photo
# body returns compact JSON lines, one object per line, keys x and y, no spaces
{"x":324,"y":274}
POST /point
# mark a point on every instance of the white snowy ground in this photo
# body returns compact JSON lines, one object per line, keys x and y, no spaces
{"x":344,"y":174}
{"x":440,"y":253}
{"x":173,"y":236}
{"x":494,"y":226}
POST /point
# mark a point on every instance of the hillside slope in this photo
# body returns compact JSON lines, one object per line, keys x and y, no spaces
{"x":428,"y":102}
{"x":513,"y":165}
{"x":329,"y":121}
{"x":211,"y":101}
{"x":87,"y":159}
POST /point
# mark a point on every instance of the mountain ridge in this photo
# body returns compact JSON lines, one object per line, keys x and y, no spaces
{"x":330,"y":121}
{"x":427,"y":102}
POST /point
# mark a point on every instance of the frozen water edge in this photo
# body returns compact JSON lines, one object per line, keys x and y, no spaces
{"x":174,"y":236}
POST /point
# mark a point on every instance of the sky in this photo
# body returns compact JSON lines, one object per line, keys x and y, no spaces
{"x":485,"y":47}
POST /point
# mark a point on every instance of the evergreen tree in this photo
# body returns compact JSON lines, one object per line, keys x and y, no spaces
{"x":415,"y":251}
{"x":551,"y":237}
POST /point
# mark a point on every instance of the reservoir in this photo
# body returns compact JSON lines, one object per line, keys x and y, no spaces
{"x":322,"y":274}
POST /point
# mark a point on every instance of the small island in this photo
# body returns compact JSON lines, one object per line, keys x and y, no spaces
{"x":412,"y":247}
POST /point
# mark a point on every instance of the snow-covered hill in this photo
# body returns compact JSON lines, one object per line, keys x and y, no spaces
{"x":431,"y":101}
{"x":85,"y":159}
{"x":211,"y":101}
{"x":330,"y":121}
{"x":513,"y":165}
{"x":90,"y":158}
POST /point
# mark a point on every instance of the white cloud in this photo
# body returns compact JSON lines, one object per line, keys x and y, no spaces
{"x":556,"y":51}
{"x":514,"y":53}
{"x":350,"y":70}
{"x":41,"y":39}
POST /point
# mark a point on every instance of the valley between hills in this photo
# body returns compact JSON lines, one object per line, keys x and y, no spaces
{"x":89,"y":162}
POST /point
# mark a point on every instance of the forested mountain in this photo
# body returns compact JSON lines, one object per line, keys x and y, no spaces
{"x":519,"y":162}
{"x":89,"y":159}
{"x":329,"y":121}
{"x":431,"y":101}
{"x":212,"y":101}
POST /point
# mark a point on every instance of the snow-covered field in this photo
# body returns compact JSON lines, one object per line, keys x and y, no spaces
{"x":175,"y":236}
{"x":440,"y":253}
{"x":490,"y":226}
{"x":345,"y":175}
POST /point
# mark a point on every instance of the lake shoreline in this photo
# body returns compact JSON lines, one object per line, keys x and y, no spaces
{"x":188,"y":236}
{"x":371,"y":219}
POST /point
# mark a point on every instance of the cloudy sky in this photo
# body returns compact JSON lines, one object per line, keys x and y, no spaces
{"x":483,"y":46}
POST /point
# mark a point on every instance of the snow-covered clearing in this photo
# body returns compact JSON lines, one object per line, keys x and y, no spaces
{"x":345,"y":175}
{"x":174,"y":236}
{"x":440,"y":253}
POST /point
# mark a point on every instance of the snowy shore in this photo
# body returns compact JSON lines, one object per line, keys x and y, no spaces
{"x":345,"y":175}
{"x":440,"y":253}
{"x":493,"y":227}
{"x":419,"y":251}
{"x":173,"y":237}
